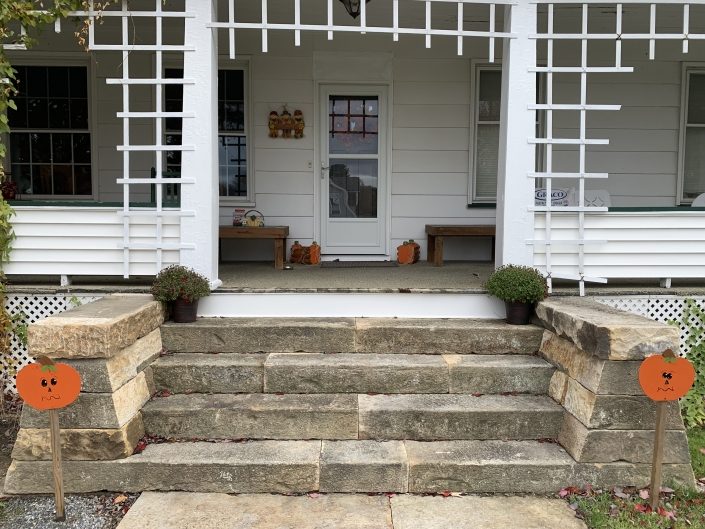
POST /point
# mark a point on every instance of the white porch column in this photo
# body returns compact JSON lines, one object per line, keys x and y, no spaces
{"x":200,"y":131}
{"x":515,"y":191}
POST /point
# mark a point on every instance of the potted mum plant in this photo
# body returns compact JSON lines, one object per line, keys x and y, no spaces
{"x":180,"y":288}
{"x":520,"y":287}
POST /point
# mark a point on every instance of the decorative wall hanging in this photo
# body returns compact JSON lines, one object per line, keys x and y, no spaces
{"x":285,"y":125}
{"x":353,"y":7}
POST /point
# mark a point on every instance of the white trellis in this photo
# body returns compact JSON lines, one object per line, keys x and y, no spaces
{"x":550,"y":36}
{"x":393,"y":27}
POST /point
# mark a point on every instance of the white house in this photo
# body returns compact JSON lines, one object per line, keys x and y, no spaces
{"x":129,"y":156}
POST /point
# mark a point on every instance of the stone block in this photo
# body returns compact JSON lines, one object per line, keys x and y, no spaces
{"x":608,"y":475}
{"x":97,"y":410}
{"x":363,"y":466}
{"x":105,"y":375}
{"x":80,"y":445}
{"x":96,"y":330}
{"x":431,"y":417}
{"x":355,"y":373}
{"x":604,"y":377}
{"x":605,"y":332}
{"x":616,"y":412}
{"x":253,"y":416}
{"x":255,"y":335}
{"x":278,"y":467}
{"x":558,"y":386}
{"x":608,"y":446}
{"x":431,"y":336}
{"x":487,"y":467}
{"x":498,"y":374}
{"x":210,"y":373}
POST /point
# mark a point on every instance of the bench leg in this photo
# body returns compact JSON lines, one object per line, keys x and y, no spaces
{"x":494,"y":248}
{"x":431,"y":248}
{"x":279,"y":254}
{"x":438,"y":251}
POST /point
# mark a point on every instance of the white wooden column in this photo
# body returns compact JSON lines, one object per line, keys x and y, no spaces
{"x":201,"y":164}
{"x":517,"y":157}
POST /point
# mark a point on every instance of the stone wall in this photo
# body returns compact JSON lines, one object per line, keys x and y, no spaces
{"x":597,"y":351}
{"x":111,"y":342}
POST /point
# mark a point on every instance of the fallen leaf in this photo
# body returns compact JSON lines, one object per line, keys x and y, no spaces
{"x":667,"y":490}
{"x":621,"y":495}
{"x":119,"y":499}
{"x":644,"y":494}
{"x":314,"y":495}
{"x":642,"y":508}
{"x":666,"y":514}
{"x":573,"y":506}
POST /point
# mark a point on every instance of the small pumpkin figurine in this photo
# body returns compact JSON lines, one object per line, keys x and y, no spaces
{"x":297,"y":252}
{"x":45,"y":385}
{"x":286,"y":123}
{"x":666,"y":376}
{"x":313,"y":254}
{"x":273,"y":124}
{"x":299,"y":124}
{"x":408,"y":253}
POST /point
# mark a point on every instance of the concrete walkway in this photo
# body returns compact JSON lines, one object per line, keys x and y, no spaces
{"x":181,"y":510}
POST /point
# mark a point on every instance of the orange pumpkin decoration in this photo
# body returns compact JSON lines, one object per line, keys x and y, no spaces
{"x":45,"y":385}
{"x":666,"y":376}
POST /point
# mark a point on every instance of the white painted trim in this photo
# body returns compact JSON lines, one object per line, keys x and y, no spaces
{"x":687,"y":68}
{"x":350,"y":305}
{"x":68,"y":59}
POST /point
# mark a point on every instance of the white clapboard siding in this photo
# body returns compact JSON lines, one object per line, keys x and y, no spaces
{"x":84,"y":241}
{"x":644,"y":244}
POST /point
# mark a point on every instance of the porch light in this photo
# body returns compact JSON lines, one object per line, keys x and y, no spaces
{"x":353,"y":7}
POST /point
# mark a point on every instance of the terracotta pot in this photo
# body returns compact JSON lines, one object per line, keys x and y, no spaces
{"x":519,"y":313}
{"x":184,"y":311}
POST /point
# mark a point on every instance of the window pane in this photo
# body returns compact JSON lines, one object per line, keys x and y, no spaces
{"x":36,"y":81}
{"x":234,"y":85}
{"x":41,"y":179}
{"x":18,"y":118}
{"x":63,"y":180}
{"x":79,"y":114}
{"x":82,"y":148}
{"x":486,"y":157}
{"x":61,"y":148}
{"x":232,"y":160}
{"x":490,"y":95}
{"x":22,"y":175}
{"x":37,"y":113}
{"x":82,"y":177}
{"x":694,"y":174}
{"x":696,"y":99}
{"x":41,"y":148}
{"x":352,"y":191}
{"x":58,"y":82}
{"x":59,"y":114}
{"x":19,"y":148}
{"x":78,"y":83}
{"x":354,"y":132}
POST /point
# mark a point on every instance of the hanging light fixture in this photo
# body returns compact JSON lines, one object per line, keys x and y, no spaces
{"x":353,"y":7}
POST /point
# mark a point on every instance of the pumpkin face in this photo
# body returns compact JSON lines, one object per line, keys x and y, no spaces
{"x":48,"y":386}
{"x":666,"y":376}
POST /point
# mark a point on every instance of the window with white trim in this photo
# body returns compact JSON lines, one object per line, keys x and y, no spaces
{"x":693,"y":146}
{"x":232,"y":130}
{"x":487,"y":104}
{"x":50,"y":142}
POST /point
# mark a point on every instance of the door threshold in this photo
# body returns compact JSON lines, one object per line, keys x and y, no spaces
{"x":355,"y":258}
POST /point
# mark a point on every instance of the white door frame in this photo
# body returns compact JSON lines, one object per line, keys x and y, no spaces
{"x":385,"y":93}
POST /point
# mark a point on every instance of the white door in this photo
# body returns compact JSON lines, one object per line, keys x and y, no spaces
{"x":353,"y":170}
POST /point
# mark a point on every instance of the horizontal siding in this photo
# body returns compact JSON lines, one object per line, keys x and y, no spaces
{"x":638,"y":245}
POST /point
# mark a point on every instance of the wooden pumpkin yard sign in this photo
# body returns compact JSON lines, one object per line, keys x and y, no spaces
{"x":48,"y":386}
{"x":665,"y":377}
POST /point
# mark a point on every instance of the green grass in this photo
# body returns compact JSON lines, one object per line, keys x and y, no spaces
{"x":696,"y":440}
{"x":627,"y":509}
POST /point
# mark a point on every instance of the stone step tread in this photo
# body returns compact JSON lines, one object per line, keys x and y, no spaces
{"x":371,"y":335}
{"x":351,"y":373}
{"x":459,"y":403}
{"x":186,"y":404}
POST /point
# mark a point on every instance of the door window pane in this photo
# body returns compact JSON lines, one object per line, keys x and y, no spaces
{"x":490,"y":95}
{"x":352,"y":189}
{"x":353,"y":125}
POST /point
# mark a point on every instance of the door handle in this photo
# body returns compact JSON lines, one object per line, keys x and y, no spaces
{"x":324,"y":168}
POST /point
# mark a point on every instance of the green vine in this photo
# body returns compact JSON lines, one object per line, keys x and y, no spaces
{"x":693,"y":404}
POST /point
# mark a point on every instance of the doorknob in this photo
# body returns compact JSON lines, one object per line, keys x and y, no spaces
{"x":324,"y":168}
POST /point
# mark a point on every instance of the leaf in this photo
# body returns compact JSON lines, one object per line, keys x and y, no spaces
{"x":641,"y":507}
{"x":644,"y":494}
{"x":119,"y":499}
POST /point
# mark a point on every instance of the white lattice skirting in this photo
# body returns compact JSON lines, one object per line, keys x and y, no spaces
{"x":665,"y":309}
{"x":32,"y":308}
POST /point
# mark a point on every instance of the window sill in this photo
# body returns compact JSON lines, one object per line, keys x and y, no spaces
{"x":482,"y":205}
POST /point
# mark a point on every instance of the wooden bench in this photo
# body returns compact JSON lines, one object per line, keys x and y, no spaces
{"x":278,"y":233}
{"x":437,"y":233}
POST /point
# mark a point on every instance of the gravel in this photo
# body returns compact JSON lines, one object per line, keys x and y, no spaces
{"x":82,"y":511}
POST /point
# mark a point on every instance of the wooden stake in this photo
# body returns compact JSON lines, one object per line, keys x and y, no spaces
{"x":56,"y":460}
{"x":659,"y":437}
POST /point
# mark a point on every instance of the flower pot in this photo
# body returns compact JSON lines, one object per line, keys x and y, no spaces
{"x":519,"y":313}
{"x":9,"y":190}
{"x":185,"y":311}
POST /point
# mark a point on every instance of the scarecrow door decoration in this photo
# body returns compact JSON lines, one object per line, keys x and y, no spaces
{"x":48,"y":386}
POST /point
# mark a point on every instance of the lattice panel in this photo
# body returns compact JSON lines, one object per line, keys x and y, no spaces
{"x":32,"y":308}
{"x":664,"y":309}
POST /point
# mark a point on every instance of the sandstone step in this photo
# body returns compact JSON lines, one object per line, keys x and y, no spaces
{"x":348,"y":335}
{"x":339,"y":416}
{"x":252,"y":416}
{"x":351,"y":373}
{"x":439,"y":417}
{"x":528,"y":467}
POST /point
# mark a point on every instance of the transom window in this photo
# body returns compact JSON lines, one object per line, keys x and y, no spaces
{"x":693,"y":155}
{"x":50,"y":144}
{"x":232,"y":136}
